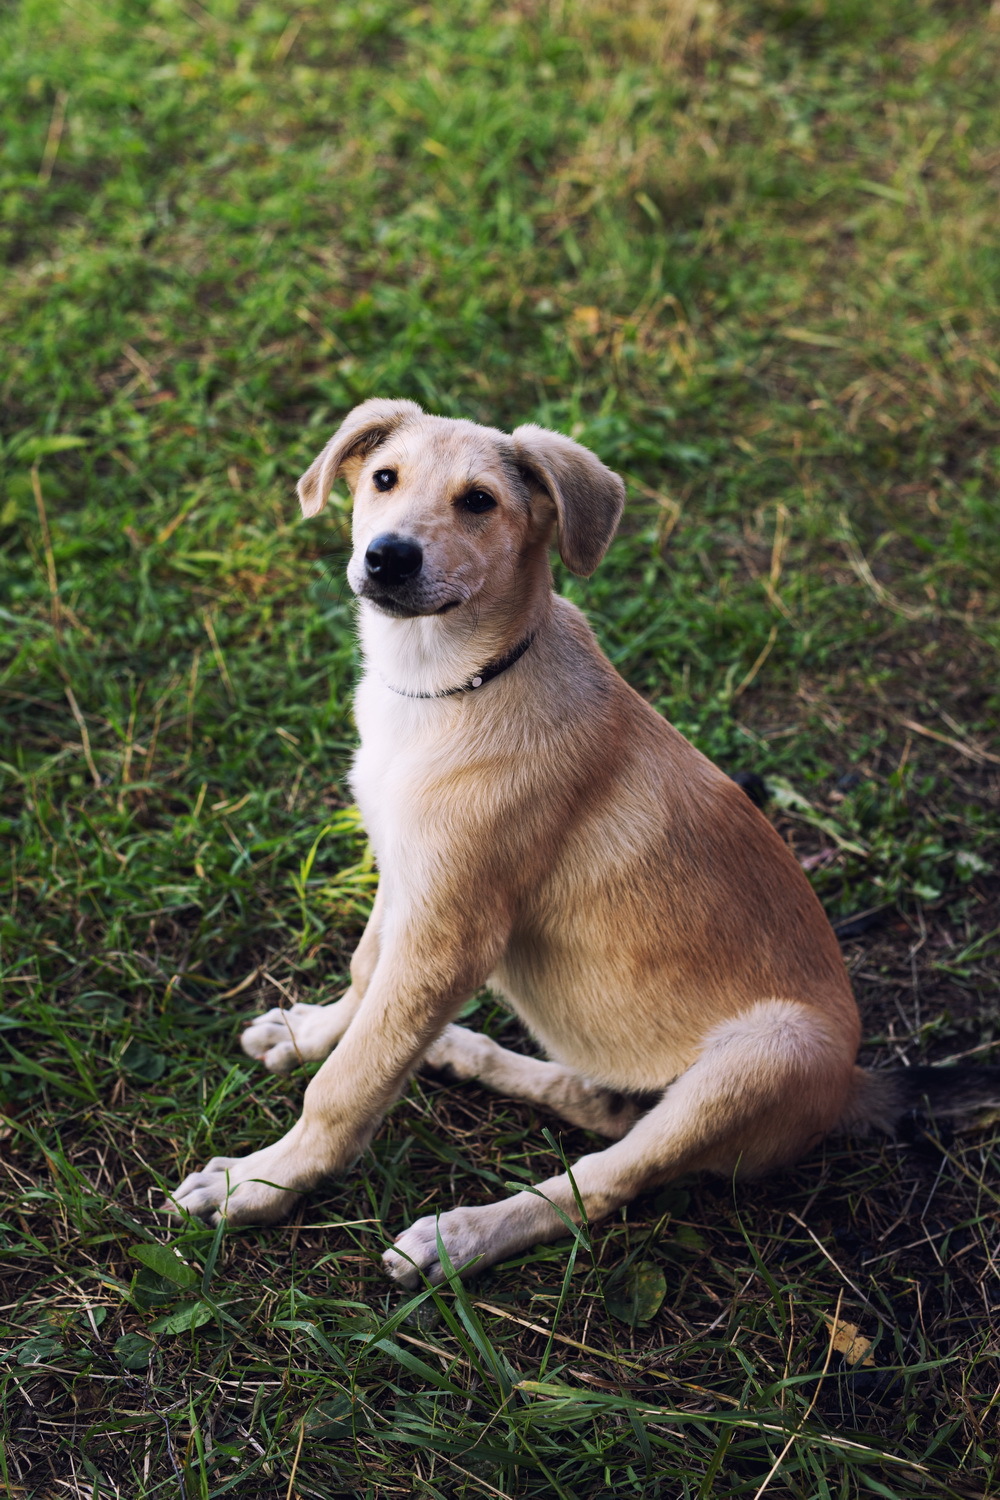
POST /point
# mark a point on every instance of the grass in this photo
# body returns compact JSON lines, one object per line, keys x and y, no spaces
{"x":747,"y":252}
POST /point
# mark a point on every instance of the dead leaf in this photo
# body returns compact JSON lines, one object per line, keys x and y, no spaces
{"x":850,"y":1342}
{"x":587,"y":320}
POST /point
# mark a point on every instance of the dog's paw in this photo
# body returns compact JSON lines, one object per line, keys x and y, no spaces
{"x":463,"y":1233}
{"x":459,"y":1051}
{"x":281,"y":1039}
{"x":239,"y":1189}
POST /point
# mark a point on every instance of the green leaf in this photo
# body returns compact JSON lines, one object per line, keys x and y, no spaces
{"x":673,"y":1201}
{"x":188,"y":1316}
{"x":331,"y":1419}
{"x":39,"y":1351}
{"x":969,"y":865}
{"x":688,"y":1236}
{"x":166,"y":1261}
{"x":35,"y":448}
{"x":784,"y":795}
{"x":142,"y":1062}
{"x":149,"y":1291}
{"x":548,"y":1388}
{"x":883,"y":190}
{"x":636,"y":1294}
{"x":134,"y":1351}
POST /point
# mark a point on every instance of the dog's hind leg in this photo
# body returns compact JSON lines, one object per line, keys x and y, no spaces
{"x":469,"y":1054}
{"x":282,"y":1038}
{"x":767,"y":1086}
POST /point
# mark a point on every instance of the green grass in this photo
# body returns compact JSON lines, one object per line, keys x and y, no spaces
{"x":747,"y":252}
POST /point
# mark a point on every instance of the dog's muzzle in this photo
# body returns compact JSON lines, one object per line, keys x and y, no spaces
{"x":392,"y":560}
{"x":393,"y":578}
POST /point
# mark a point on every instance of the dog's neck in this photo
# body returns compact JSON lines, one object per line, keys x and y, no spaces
{"x":433,"y":654}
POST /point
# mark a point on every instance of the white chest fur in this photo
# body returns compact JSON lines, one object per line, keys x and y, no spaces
{"x":403,"y":746}
{"x":410,"y":745}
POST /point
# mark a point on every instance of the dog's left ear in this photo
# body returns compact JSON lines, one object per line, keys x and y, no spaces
{"x":588,"y":497}
{"x":361,"y":430}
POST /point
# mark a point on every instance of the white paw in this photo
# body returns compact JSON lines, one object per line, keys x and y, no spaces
{"x":240,"y":1189}
{"x":466,"y":1238}
{"x":465,"y":1052}
{"x":281,"y":1039}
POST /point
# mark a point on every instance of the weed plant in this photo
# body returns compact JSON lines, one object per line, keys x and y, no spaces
{"x":746,"y":250}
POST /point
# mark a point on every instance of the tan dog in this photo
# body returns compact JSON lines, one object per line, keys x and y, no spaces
{"x":540,"y":829}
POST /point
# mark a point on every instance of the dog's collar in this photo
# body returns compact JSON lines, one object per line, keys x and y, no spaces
{"x":479,"y":679}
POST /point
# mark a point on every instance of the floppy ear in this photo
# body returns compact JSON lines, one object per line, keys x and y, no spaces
{"x":588,"y":497}
{"x":361,"y":430}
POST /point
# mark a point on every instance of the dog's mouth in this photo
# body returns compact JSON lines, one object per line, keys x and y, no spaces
{"x":390,"y":606}
{"x":405,"y":609}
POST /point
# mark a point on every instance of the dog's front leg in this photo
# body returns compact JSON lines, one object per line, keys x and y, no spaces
{"x":283,"y":1038}
{"x":420,"y":981}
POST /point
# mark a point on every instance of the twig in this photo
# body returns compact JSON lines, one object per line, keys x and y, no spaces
{"x":724,"y":1314}
{"x":843,"y":1274}
{"x":192,"y":687}
{"x":295,"y":1460}
{"x":503,"y":1495}
{"x":291,"y":1000}
{"x":56,"y":127}
{"x":971,"y":752}
{"x":85,"y":737}
{"x":614,"y":1359}
{"x":220,"y":660}
{"x":281,"y":988}
{"x":809,"y":1410}
{"x":136,"y":472}
{"x":286,"y":40}
{"x":238,"y":989}
{"x":862,"y":568}
{"x":142,"y":365}
{"x":50,"y":561}
{"x":762,"y":656}
{"x":777,"y":559}
{"x":127,"y":758}
{"x":972,"y":1052}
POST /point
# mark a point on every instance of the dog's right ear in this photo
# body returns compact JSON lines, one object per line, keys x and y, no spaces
{"x":361,"y":430}
{"x":587,"y":496}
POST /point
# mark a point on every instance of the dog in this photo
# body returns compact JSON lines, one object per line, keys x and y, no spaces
{"x":540,"y":829}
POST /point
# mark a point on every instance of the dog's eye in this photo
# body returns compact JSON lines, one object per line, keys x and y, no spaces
{"x":477,"y":501}
{"x":384,"y":479}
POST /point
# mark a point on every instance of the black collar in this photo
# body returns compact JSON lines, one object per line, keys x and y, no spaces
{"x":480,"y":678}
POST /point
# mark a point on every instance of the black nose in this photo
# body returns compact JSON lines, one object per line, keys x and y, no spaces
{"x":391,"y":559}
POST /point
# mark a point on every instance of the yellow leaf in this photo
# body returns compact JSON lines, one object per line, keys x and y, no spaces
{"x":809,"y":336}
{"x":848,"y":1341}
{"x":587,"y":319}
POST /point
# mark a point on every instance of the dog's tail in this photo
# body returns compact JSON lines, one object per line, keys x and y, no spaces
{"x":882,"y":1099}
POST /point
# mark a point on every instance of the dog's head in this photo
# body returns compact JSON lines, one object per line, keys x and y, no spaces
{"x":447,"y":512}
